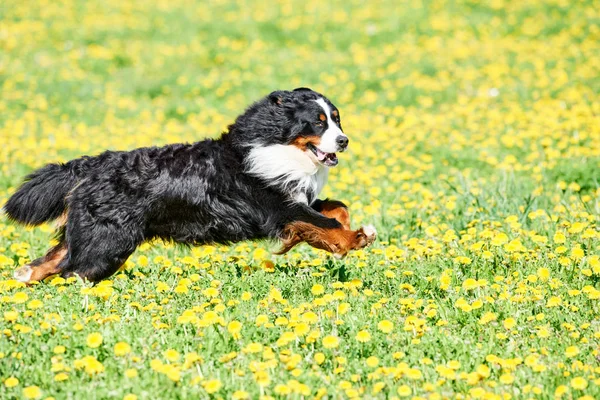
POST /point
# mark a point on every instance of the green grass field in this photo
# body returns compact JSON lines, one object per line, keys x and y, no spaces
{"x":475,"y":151}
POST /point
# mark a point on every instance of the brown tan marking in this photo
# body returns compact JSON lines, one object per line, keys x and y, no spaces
{"x":338,"y":210}
{"x":338,"y":241}
{"x":43,"y":267}
{"x":335,"y":113}
{"x":61,"y":220}
{"x":302,"y":141}
{"x":323,"y":117}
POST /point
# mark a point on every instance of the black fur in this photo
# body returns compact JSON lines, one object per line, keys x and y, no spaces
{"x":190,"y":193}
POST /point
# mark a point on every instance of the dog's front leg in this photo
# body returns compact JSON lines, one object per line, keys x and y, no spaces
{"x":325,"y":233}
{"x":333,"y":209}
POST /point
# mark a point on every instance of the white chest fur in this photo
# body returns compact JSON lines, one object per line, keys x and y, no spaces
{"x":290,"y":168}
{"x":316,"y":183}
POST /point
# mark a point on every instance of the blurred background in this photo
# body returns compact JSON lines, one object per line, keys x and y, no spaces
{"x":474,"y":149}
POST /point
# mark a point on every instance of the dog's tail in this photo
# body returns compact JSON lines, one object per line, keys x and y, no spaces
{"x":42,"y":197}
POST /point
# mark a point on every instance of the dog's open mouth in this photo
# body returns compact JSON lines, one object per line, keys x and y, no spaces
{"x":328,"y":159}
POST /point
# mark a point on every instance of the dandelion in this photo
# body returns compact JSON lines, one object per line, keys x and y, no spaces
{"x":11,"y":316}
{"x":61,"y":377}
{"x":240,"y":395}
{"x":212,"y":386}
{"x":171,"y":355}
{"x":363,"y":336}
{"x":234,"y":328}
{"x":507,"y":379}
{"x":131,"y":373}
{"x":509,"y":323}
{"x":11,"y":382}
{"x":560,"y":390}
{"x":121,"y":349}
{"x":319,"y":358}
{"x":32,"y":392}
{"x":330,"y":342}
{"x":94,"y":340}
{"x":317,"y":289}
{"x":35,"y":304}
{"x":579,"y":383}
{"x":385,"y":326}
{"x":372,"y":361}
{"x":571,"y":351}
{"x":404,"y":391}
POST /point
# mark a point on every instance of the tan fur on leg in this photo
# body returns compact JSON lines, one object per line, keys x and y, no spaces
{"x":337,"y":241}
{"x":42,"y":268}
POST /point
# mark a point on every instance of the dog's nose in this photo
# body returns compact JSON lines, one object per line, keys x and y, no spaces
{"x":342,"y":141}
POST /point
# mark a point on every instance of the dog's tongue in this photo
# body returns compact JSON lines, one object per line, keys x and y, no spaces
{"x":329,"y":159}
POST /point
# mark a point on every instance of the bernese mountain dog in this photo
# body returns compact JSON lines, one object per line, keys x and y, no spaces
{"x":259,"y":180}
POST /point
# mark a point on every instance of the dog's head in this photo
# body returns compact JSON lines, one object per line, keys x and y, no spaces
{"x":315,"y":125}
{"x":302,"y":120}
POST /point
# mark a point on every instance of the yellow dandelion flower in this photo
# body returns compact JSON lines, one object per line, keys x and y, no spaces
{"x":11,"y":382}
{"x":372,"y":361}
{"x":319,"y":358}
{"x":131,"y":373}
{"x":363,"y":336}
{"x":61,"y":377}
{"x":240,"y":395}
{"x":246,"y":296}
{"x":404,"y":391}
{"x":509,"y":323}
{"x":94,"y":340}
{"x":330,"y":342}
{"x":234,"y":328}
{"x":560,"y":390}
{"x":385,"y":326}
{"x":301,"y":329}
{"x":172,"y":355}
{"x":282,"y":390}
{"x":35,"y":304}
{"x":11,"y":316}
{"x":571,"y":351}
{"x":317,"y":290}
{"x":121,"y":349}
{"x":507,"y":379}
{"x":579,"y":383}
{"x":32,"y":392}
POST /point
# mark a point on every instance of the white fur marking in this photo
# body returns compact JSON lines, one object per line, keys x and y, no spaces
{"x":289,"y":167}
{"x":328,"y":140}
{"x":23,"y":274}
{"x":369,"y":230}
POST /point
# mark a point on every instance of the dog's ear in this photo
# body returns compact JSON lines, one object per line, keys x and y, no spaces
{"x":278,"y":97}
{"x":303,"y":89}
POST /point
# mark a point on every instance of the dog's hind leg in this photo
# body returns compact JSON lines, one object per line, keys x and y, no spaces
{"x":43,"y":267}
{"x":97,"y":249}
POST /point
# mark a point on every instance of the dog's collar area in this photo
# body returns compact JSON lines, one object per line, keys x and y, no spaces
{"x":328,"y":159}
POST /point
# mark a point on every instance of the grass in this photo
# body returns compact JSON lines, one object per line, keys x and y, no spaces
{"x":475,"y":150}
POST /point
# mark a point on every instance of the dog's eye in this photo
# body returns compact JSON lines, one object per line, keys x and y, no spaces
{"x":319,"y":123}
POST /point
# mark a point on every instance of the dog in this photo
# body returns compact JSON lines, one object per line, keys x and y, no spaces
{"x":259,"y":180}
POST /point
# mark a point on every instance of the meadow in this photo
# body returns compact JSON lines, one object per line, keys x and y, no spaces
{"x":474,"y":149}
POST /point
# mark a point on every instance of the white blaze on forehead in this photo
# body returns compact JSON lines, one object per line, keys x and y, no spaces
{"x":328,"y":143}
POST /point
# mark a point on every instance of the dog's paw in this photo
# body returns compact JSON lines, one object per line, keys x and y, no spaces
{"x":366,"y":236}
{"x":23,"y":274}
